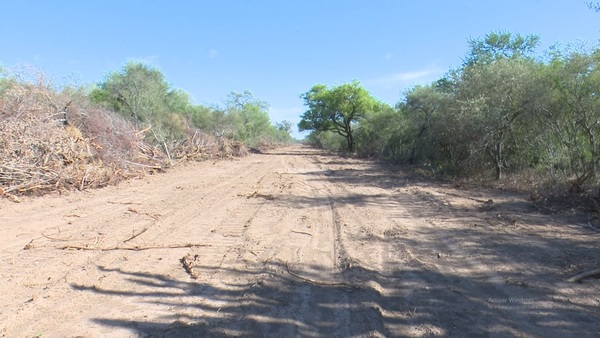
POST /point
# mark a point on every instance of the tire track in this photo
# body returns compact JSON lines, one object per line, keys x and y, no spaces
{"x":300,"y":244}
{"x":46,"y":279}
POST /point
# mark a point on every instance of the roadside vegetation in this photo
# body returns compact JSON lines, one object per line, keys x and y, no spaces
{"x":508,"y":114}
{"x":130,"y":124}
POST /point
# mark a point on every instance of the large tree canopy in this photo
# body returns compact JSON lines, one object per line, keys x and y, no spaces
{"x":141,"y":93}
{"x":336,"y":109}
{"x":250,"y":114}
{"x":138,"y":91}
{"x":501,"y":45}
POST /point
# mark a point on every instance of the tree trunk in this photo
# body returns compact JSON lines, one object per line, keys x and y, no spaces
{"x":498,"y":161}
{"x":495,"y":153}
{"x":349,"y":137}
{"x":350,"y":141}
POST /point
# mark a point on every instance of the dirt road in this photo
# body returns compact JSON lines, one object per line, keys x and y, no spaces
{"x":293,"y":243}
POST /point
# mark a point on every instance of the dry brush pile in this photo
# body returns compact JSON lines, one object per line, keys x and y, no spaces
{"x":41,"y":152}
{"x":53,"y":141}
{"x":199,"y":146}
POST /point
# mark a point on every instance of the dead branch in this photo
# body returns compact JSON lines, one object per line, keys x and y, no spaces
{"x":135,"y":235}
{"x":583,"y":275}
{"x":63,"y":111}
{"x":312,"y":281}
{"x":61,"y":239}
{"x":134,"y":248}
{"x":9,"y":196}
{"x":300,"y":232}
{"x":52,"y":104}
{"x":141,"y":132}
{"x":257,"y":194}
{"x":29,"y":245}
{"x":167,"y":151}
{"x":145,"y":165}
{"x":125,"y":203}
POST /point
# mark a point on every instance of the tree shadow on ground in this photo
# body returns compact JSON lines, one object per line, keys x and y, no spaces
{"x":266,"y":302}
{"x":489,"y":282}
{"x":408,"y":301}
{"x":521,"y":252}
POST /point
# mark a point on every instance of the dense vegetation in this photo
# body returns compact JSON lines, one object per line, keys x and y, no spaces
{"x":505,"y":111}
{"x":142,"y":95}
{"x":131,"y":123}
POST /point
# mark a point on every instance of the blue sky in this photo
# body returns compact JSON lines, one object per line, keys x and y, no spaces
{"x":276,"y":49}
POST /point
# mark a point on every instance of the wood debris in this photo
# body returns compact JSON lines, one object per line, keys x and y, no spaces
{"x":256,"y":194}
{"x":583,"y":275}
{"x":188,"y":264}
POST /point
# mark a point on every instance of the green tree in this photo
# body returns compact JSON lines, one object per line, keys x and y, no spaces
{"x":137,"y":91}
{"x":221,"y":126}
{"x":573,"y":111}
{"x":141,"y":93}
{"x":250,"y":116}
{"x":497,"y":95}
{"x":285,"y":126}
{"x":376,"y":131}
{"x":423,"y":109}
{"x":178,"y":101}
{"x":336,"y":109}
{"x":496,"y":89}
{"x":200,"y":117}
{"x":500,"y":45}
{"x":439,"y":131}
{"x":6,"y":82}
{"x":282,"y":132}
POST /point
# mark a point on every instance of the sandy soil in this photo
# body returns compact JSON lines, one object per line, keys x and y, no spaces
{"x":293,"y":243}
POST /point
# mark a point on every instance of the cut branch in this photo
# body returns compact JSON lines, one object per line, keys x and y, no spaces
{"x":134,"y":248}
{"x":135,"y":235}
{"x":584,"y":275}
{"x":301,"y":232}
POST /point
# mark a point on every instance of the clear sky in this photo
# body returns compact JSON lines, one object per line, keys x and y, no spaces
{"x":277,"y":49}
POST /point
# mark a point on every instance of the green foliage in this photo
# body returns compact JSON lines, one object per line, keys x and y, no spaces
{"x":201,"y":117}
{"x":6,"y":82}
{"x":285,"y":126}
{"x":137,"y":91}
{"x":327,"y":140}
{"x":375,"y":137}
{"x":141,"y":94}
{"x":593,"y":5}
{"x":427,"y":112}
{"x":503,"y":111}
{"x":572,"y":113}
{"x":282,"y":132}
{"x":496,"y":96}
{"x":470,"y":120}
{"x":250,"y":116}
{"x":501,"y":45}
{"x":336,"y":109}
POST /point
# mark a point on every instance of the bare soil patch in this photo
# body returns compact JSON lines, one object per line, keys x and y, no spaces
{"x":294,"y":242}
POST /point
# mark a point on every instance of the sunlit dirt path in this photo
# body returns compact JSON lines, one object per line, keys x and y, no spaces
{"x":293,"y":242}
